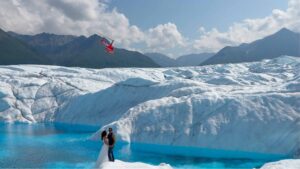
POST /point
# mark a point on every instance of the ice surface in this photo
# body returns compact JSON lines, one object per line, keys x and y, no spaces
{"x":125,"y":165}
{"x":284,"y":164}
{"x":250,"y":107}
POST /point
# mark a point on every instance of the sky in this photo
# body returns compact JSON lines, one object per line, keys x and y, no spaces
{"x":190,"y":15}
{"x":171,"y":27}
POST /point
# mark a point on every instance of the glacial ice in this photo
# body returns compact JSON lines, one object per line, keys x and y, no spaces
{"x":247,"y":107}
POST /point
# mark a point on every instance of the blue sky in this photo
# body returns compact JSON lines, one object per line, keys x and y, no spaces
{"x":171,"y":27}
{"x":190,"y":15}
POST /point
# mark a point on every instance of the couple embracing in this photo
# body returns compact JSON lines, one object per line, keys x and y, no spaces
{"x":106,"y":154}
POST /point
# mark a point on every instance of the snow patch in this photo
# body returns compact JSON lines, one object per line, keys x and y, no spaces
{"x":283,"y":164}
{"x":137,"y":165}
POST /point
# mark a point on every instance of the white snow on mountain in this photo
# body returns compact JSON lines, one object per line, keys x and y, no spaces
{"x":283,"y":164}
{"x":248,"y":107}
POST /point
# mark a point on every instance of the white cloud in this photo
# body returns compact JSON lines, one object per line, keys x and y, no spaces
{"x":164,"y":37}
{"x":76,"y":17}
{"x":249,"y":29}
{"x":84,"y":17}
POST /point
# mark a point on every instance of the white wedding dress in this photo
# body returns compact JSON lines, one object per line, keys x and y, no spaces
{"x":103,"y":155}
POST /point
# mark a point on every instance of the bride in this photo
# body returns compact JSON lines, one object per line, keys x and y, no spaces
{"x":103,"y":157}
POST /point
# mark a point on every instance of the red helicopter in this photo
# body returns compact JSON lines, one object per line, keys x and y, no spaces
{"x":108,"y":43}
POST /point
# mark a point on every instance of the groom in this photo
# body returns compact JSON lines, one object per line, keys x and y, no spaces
{"x":111,"y":143}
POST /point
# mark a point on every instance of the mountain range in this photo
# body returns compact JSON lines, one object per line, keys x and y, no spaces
{"x":13,"y":51}
{"x":81,"y":51}
{"x":283,"y":42}
{"x":185,"y":60}
{"x":65,"y":50}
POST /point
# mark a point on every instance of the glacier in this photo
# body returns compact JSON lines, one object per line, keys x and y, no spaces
{"x":247,"y":107}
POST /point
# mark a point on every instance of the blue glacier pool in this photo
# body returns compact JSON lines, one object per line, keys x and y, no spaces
{"x":60,"y":146}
